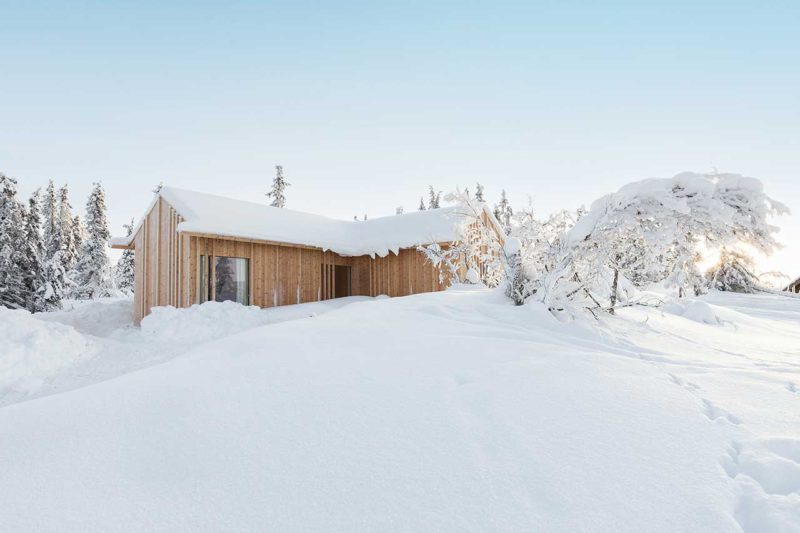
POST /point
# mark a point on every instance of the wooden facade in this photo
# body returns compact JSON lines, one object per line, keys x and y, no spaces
{"x":167,"y":268}
{"x":794,"y":286}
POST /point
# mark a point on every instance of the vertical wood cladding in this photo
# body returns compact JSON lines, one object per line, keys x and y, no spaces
{"x":166,"y":268}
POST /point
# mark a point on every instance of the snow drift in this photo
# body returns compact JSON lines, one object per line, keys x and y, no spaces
{"x":31,"y":350}
{"x":452,"y":411}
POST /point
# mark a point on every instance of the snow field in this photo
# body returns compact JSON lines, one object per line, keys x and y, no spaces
{"x":89,"y":341}
{"x":453,"y":411}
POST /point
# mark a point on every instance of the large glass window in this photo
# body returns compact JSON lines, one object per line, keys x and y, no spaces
{"x":231,"y":280}
{"x":226,"y":279}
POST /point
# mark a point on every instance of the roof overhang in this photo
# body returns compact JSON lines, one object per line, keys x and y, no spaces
{"x":120,"y":244}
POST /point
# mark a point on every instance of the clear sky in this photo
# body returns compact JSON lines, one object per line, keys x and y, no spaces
{"x":366,"y":103}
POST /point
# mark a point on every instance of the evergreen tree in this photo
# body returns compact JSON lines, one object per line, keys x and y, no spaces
{"x":78,"y":232}
{"x":277,"y":193}
{"x":91,"y":274}
{"x":52,"y":242}
{"x":421,"y":204}
{"x":503,"y":212}
{"x":64,"y":229}
{"x":433,"y":198}
{"x":33,"y":256}
{"x":53,"y":261}
{"x":125,"y":266}
{"x":13,"y":292}
{"x":398,"y":210}
{"x":56,"y":282}
{"x":479,"y":193}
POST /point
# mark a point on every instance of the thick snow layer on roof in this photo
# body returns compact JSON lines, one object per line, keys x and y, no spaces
{"x":217,"y":215}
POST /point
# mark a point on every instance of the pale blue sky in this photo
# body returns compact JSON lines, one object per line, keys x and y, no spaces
{"x":365,"y":104}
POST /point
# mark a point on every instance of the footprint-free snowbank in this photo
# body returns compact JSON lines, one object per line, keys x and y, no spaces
{"x":693,"y":310}
{"x":31,"y":350}
{"x":214,"y":320}
{"x":91,"y":341}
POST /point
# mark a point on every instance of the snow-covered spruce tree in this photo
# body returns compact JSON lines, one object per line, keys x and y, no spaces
{"x":91,"y":274}
{"x":434,"y":198}
{"x":64,"y":229}
{"x":56,"y":282}
{"x":53,"y":261}
{"x":13,"y":290}
{"x":124,"y":271}
{"x":33,"y":256}
{"x":503,"y":212}
{"x":421,"y":204}
{"x":734,"y":272}
{"x":78,"y":232}
{"x":398,"y":210}
{"x":479,"y":193}
{"x":518,"y":286}
{"x":278,"y":191}
{"x":50,"y":235}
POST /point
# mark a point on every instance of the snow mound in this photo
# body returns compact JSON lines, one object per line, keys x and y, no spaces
{"x":32,"y":350}
{"x":701,"y":312}
{"x":198,"y":323}
{"x":694,"y":310}
{"x":473,"y":277}
{"x":213,"y":320}
{"x":101,"y":317}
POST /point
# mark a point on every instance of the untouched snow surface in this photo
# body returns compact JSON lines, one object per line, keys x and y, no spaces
{"x":89,"y":341}
{"x":453,"y":411}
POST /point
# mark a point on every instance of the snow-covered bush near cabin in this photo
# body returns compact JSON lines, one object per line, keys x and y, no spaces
{"x":478,"y":247}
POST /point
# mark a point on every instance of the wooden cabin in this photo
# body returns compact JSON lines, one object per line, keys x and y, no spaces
{"x":794,"y":286}
{"x":192,"y":247}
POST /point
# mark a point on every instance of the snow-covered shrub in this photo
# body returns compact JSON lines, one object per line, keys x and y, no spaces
{"x":518,"y":287}
{"x":478,"y":247}
{"x":650,"y":231}
{"x":734,"y":273}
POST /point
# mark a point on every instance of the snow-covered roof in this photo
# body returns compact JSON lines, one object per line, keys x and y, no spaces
{"x":217,"y":215}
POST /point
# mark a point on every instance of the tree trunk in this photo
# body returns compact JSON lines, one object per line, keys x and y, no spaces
{"x":614,"y":291}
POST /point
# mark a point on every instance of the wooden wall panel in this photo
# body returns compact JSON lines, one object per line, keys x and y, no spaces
{"x":166,"y":268}
{"x":151,"y":244}
{"x":311,"y":275}
{"x":138,"y":275}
